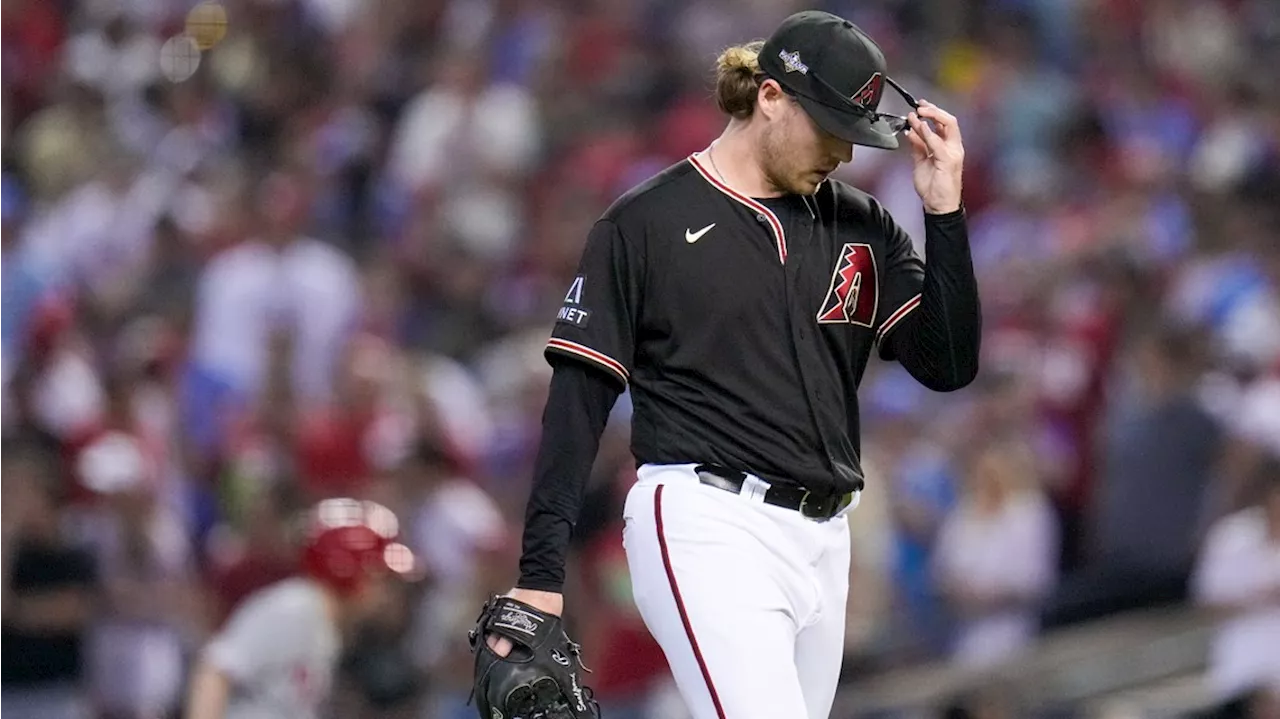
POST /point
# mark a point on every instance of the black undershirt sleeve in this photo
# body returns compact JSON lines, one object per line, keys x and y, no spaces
{"x":578,"y":406}
{"x":939,"y":342}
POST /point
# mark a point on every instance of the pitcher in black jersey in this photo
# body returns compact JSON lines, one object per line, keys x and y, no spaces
{"x":739,"y":295}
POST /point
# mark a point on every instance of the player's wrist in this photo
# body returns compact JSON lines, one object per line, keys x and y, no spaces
{"x":944,"y":209}
{"x":549,"y":602}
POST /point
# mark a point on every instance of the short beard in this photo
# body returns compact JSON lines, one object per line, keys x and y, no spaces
{"x":773,"y":161}
{"x":774,"y":164}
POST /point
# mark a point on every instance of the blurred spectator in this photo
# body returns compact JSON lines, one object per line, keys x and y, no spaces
{"x":379,"y":676}
{"x":1238,"y":577}
{"x":117,"y":449}
{"x":169,"y":289}
{"x":465,"y":143}
{"x":1085,"y":319}
{"x":342,"y":442}
{"x":264,"y":552}
{"x":1162,"y":448}
{"x":149,"y":610}
{"x":59,"y":385}
{"x":58,"y":147}
{"x":996,"y":556}
{"x":921,"y":490}
{"x":1033,"y":96}
{"x":50,"y":590}
{"x":21,"y":286}
{"x":871,"y":602}
{"x":280,"y":279}
{"x":34,"y":33}
{"x":259,"y":448}
{"x":21,"y":418}
{"x":461,"y":538}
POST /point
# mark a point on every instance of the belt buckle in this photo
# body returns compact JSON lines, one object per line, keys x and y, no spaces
{"x":836,"y":505}
{"x":804,"y":504}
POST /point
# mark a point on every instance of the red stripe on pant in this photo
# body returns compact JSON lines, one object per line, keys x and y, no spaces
{"x":684,"y":616}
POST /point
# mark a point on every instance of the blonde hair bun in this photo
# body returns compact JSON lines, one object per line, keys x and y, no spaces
{"x":737,"y":79}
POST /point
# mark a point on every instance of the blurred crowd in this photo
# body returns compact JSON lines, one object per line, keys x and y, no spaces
{"x":322,"y":259}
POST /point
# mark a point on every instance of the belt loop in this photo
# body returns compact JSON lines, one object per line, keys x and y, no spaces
{"x":754,"y":488}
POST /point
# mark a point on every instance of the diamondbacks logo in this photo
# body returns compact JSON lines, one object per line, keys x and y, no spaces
{"x":869,"y":94}
{"x":853,"y":295}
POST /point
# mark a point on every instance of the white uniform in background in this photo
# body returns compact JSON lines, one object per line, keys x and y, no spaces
{"x":1239,"y":563}
{"x":279,"y":650}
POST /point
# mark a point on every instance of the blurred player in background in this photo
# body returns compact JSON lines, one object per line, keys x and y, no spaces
{"x":48,"y":595}
{"x":277,"y":654}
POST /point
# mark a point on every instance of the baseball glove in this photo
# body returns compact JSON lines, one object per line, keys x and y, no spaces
{"x":539,"y":679}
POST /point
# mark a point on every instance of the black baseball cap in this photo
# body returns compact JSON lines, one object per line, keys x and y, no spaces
{"x":836,"y":72}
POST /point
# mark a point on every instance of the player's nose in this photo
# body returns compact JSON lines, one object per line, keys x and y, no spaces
{"x":844,"y":151}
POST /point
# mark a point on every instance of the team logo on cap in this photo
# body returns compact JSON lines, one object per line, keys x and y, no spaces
{"x":791,"y":61}
{"x":869,"y":94}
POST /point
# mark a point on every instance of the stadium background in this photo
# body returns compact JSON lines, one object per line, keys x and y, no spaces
{"x":259,"y":253}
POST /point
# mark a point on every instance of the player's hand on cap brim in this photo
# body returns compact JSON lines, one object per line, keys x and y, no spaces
{"x":937,"y":151}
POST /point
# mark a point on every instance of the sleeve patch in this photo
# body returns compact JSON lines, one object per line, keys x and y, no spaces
{"x":574,"y":295}
{"x":575,"y":316}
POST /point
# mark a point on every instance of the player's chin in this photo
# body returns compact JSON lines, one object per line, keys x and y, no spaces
{"x":808,"y":183}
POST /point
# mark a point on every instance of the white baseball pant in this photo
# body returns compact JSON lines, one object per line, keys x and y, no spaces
{"x":746,"y":599}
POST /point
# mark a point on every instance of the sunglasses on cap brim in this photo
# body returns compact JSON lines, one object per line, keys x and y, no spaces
{"x":895,"y":123}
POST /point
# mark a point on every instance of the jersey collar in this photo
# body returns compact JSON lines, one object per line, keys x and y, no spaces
{"x":696,"y":159}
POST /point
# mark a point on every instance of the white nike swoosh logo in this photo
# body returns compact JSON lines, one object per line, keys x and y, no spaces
{"x":692,"y":237}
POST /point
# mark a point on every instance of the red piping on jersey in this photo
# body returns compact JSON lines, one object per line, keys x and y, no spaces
{"x":684,"y":616}
{"x":594,"y":355}
{"x":897,"y":316}
{"x":756,"y":206}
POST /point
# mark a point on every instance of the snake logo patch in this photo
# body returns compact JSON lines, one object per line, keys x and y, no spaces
{"x":868,"y":95}
{"x":854,"y":294}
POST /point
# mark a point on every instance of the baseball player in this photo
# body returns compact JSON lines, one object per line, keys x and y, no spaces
{"x":739,"y":295}
{"x":276,"y":655}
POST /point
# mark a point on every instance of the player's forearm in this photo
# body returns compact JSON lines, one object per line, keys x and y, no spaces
{"x":577,"y":411}
{"x":207,"y":697}
{"x":939,"y":342}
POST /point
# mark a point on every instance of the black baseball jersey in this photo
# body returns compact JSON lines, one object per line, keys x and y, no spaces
{"x":742,"y":331}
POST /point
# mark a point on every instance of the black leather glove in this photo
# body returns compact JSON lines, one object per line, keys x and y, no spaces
{"x":540,"y":678}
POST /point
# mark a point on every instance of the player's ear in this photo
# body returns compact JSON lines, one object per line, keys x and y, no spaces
{"x":771,"y":98}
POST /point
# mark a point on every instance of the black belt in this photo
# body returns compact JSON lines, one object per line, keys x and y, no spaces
{"x":804,"y":501}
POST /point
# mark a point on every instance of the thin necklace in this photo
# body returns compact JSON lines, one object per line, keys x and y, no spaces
{"x":711,"y":156}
